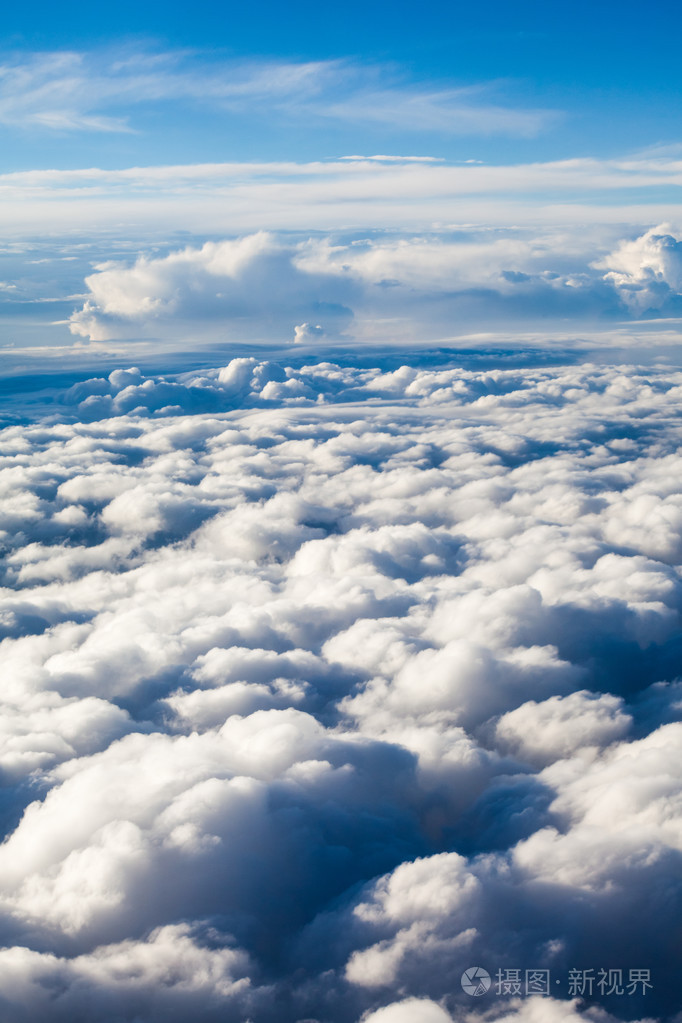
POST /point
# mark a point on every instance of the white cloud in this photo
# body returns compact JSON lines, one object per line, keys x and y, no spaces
{"x":306,"y":332}
{"x":250,"y":284}
{"x":545,"y":1010}
{"x":360,"y":194}
{"x":167,"y":976}
{"x":562,"y":725}
{"x":406,"y":903}
{"x":411,"y":1010}
{"x":647,"y":271}
{"x":465,"y":111}
{"x":532,"y":1010}
{"x":617,"y":822}
{"x":262,"y":286}
{"x":69,"y":90}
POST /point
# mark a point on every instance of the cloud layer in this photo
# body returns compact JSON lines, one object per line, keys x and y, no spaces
{"x":346,"y":193}
{"x":271,"y":287}
{"x":324,"y":683}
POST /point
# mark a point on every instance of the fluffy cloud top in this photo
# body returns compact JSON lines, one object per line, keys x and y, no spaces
{"x":251,"y":283}
{"x":647,"y":271}
{"x":324,"y":683}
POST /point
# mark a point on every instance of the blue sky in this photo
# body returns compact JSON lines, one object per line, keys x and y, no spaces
{"x":590,"y":80}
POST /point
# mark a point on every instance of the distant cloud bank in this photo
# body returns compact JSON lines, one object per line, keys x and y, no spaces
{"x":265,"y":286}
{"x":585,"y":196}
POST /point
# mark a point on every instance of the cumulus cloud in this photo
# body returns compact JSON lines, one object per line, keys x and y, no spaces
{"x":250,"y":284}
{"x":326,"y":681}
{"x":164,"y":977}
{"x":647,"y":271}
{"x":562,"y":725}
{"x":308,"y":332}
{"x":421,"y":1010}
{"x":534,"y":1010}
{"x":317,"y":289}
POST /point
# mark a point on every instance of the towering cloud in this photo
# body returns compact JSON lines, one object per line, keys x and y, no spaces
{"x":647,"y":272}
{"x":316,"y":289}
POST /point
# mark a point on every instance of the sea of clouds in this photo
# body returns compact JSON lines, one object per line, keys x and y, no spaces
{"x":324,"y":683}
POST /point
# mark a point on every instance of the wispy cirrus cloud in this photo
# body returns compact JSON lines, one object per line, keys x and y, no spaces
{"x":466,"y":111}
{"x":364,"y":192}
{"x":90,"y":91}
